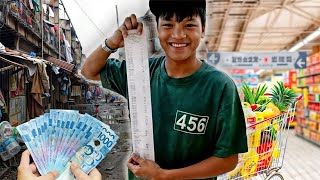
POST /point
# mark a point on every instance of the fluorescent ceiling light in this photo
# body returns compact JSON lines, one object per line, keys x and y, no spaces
{"x":305,"y":41}
{"x":312,"y":36}
{"x":297,"y":46}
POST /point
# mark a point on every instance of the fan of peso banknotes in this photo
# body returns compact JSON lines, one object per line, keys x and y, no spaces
{"x":56,"y":138}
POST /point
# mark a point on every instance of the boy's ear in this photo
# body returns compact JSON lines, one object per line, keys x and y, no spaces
{"x":203,"y":31}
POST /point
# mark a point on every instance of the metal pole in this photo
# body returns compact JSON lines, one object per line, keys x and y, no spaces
{"x":59,"y":29}
{"x":42,"y":34}
{"x":117,"y":15}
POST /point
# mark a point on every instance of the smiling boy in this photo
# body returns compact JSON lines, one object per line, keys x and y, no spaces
{"x":199,"y":126}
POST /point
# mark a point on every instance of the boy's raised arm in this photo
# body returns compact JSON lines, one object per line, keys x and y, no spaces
{"x":97,"y":60}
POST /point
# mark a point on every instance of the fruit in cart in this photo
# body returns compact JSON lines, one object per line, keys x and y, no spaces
{"x":263,"y":107}
{"x":274,"y":108}
{"x":245,"y":104}
{"x":253,"y":107}
{"x":282,"y":97}
{"x":263,"y":99}
{"x":268,"y":113}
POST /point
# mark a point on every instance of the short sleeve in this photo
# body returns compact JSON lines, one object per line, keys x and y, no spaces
{"x":114,"y":76}
{"x":231,"y":136}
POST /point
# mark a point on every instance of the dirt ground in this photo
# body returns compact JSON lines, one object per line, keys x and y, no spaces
{"x":114,"y":165}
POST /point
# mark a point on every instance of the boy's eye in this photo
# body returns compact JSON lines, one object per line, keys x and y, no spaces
{"x":190,"y":25}
{"x":167,"y":25}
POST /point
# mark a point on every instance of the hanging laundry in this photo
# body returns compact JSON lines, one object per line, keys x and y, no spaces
{"x":69,"y":57}
{"x":36,"y":5}
{"x":51,"y":13}
{"x":29,"y":20}
{"x":2,"y":101}
{"x":45,"y":9}
{"x":55,"y":28}
{"x":31,"y":4}
{"x":2,"y":47}
{"x":13,"y":83}
{"x":37,"y":90}
{"x":49,"y":2}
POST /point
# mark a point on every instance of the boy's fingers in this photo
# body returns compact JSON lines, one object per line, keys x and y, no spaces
{"x":75,"y":169}
{"x":123,"y":30}
{"x":132,"y":167}
{"x":95,"y":173}
{"x":140,"y":28}
{"x":128,"y":23}
{"x":137,"y":158}
{"x":134,"y":21}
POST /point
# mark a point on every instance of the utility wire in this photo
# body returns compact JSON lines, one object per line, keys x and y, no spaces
{"x":90,"y":19}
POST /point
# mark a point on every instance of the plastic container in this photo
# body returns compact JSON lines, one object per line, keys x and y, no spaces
{"x":7,"y":141}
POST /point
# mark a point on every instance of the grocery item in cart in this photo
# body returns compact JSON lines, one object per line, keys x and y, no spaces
{"x":250,"y":164}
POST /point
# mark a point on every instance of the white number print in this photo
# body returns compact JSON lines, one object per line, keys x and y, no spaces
{"x":190,"y":123}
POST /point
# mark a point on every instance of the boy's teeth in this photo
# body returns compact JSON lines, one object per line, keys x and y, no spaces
{"x":178,"y":45}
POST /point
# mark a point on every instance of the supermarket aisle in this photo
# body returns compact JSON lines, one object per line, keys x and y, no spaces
{"x":301,"y":159}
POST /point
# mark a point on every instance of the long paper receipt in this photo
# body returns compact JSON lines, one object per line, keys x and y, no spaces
{"x":139,"y":94}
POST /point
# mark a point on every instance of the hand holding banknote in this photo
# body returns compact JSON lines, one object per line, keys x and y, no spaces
{"x":80,"y":175}
{"x":27,"y":171}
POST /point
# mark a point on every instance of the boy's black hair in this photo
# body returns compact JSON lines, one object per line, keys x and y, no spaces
{"x":180,"y":8}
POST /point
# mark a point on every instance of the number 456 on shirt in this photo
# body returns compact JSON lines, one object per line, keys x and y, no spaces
{"x":190,"y":123}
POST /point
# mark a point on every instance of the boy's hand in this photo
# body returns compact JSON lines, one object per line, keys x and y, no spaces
{"x":27,"y":171}
{"x":116,"y":40}
{"x":146,"y":169}
{"x":80,"y":175}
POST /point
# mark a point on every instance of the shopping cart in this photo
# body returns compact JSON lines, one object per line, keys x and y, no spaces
{"x":267,"y":140}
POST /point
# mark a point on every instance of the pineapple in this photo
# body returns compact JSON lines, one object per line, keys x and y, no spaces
{"x":282,"y":97}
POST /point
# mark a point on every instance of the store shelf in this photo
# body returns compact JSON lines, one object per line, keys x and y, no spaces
{"x":300,"y":109}
{"x":313,"y":102}
{"x":311,"y":129}
{"x":313,"y":64}
{"x":314,"y":74}
{"x":314,"y":111}
{"x":300,"y":117}
{"x":308,"y":139}
{"x":314,"y":93}
{"x":312,"y":120}
{"x":303,"y":86}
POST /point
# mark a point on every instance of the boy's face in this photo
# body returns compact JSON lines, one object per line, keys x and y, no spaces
{"x":180,"y":39}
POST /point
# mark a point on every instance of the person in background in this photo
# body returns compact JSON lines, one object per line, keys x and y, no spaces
{"x":27,"y":171}
{"x":198,"y":121}
{"x":88,"y":96}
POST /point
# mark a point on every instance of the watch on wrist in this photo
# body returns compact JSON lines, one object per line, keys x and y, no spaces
{"x":107,"y":48}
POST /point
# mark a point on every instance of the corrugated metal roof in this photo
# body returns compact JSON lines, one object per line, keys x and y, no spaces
{"x":61,"y":64}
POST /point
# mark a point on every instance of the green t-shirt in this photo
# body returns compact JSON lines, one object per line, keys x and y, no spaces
{"x":194,"y":117}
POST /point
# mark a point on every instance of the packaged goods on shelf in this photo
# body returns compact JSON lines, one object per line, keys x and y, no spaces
{"x":308,"y":114}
